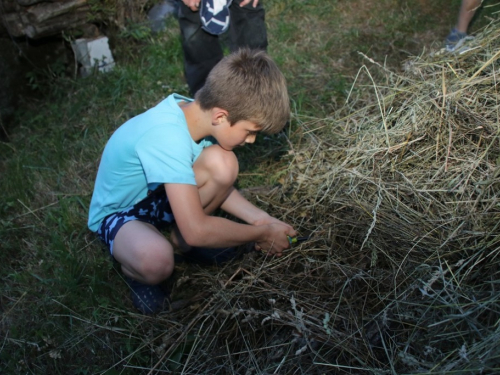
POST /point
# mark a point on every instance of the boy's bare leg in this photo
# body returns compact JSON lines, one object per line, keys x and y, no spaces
{"x":144,"y":253}
{"x":215,"y":171}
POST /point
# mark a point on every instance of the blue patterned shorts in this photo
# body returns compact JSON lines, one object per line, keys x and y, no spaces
{"x":154,"y":209}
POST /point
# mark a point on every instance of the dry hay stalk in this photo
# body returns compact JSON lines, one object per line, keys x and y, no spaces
{"x":401,"y":272}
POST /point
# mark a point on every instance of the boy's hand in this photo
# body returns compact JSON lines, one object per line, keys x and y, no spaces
{"x":276,"y":241}
{"x":272,"y":237}
{"x":245,"y":2}
{"x":194,"y":5}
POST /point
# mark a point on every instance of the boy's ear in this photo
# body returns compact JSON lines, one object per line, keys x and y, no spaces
{"x":219,"y":115}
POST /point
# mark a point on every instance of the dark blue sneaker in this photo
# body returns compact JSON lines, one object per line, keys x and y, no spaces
{"x":148,"y":299}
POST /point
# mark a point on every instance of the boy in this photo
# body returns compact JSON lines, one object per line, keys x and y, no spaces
{"x":163,"y":164}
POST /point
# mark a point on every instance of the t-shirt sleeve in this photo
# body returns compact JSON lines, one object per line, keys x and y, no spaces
{"x":166,"y":157}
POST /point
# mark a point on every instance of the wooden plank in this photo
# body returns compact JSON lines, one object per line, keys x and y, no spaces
{"x":43,"y":19}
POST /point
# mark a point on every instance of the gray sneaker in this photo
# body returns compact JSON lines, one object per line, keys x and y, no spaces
{"x":455,"y":40}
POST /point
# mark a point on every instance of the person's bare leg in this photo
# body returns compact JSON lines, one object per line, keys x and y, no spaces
{"x":215,"y":171}
{"x":144,"y":253}
{"x":467,"y":10}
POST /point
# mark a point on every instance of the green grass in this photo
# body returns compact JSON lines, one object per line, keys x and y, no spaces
{"x":65,"y":308}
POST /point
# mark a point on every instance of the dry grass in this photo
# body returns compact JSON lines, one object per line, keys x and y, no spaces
{"x":399,"y":194}
{"x":397,"y":189}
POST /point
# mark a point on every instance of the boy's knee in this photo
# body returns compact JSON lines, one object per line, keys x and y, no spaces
{"x":226,"y":167}
{"x":157,"y":266}
{"x":220,"y":165}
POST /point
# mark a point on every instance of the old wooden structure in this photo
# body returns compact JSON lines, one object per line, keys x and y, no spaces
{"x":38,"y":18}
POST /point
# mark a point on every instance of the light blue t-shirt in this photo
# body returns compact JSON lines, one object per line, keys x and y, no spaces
{"x":150,"y":149}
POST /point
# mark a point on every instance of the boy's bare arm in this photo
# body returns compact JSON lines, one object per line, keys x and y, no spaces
{"x":240,"y":207}
{"x":200,"y":229}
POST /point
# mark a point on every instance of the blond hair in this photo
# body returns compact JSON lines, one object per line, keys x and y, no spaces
{"x":248,"y":85}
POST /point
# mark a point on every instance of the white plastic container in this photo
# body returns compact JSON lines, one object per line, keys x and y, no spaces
{"x":93,"y":54}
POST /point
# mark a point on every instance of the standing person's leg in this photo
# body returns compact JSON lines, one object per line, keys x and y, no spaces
{"x":467,"y":10}
{"x":202,"y":50}
{"x":458,"y":34}
{"x":247,"y":27}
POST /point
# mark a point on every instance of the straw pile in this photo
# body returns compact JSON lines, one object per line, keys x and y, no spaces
{"x":398,"y":192}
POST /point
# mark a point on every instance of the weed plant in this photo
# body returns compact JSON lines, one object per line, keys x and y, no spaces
{"x":64,"y":306}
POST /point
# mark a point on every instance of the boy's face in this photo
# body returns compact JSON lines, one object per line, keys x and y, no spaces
{"x":231,"y":136}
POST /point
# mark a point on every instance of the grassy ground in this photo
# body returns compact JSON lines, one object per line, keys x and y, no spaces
{"x":64,"y":307}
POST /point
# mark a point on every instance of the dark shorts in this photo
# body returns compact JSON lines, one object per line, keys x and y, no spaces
{"x":154,"y":209}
